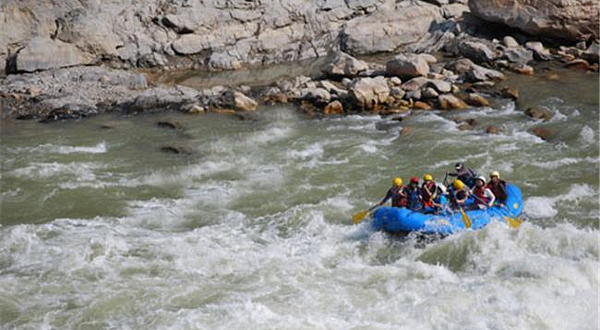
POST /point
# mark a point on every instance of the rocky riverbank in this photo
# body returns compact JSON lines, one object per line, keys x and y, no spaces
{"x":75,"y":60}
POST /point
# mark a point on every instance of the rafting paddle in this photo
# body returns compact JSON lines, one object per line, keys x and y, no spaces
{"x":465,"y":217}
{"x":359,"y":216}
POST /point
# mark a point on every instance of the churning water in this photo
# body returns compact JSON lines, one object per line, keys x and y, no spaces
{"x":251,"y":229}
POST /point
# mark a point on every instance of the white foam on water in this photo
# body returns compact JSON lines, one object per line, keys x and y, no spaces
{"x":315,"y":150}
{"x":369,"y":147}
{"x":240,"y":275}
{"x":82,"y":171}
{"x":271,"y":134}
{"x":587,"y":135}
{"x":554,"y":164}
{"x":545,"y":207}
{"x":99,"y":148}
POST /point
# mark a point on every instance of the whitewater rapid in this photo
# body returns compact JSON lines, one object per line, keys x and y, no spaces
{"x":102,"y":230}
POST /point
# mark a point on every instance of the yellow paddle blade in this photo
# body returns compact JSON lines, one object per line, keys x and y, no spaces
{"x":358,"y":217}
{"x":515,"y":223}
{"x":465,"y":218}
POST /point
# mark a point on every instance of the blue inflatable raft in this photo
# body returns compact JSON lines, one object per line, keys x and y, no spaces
{"x":397,"y":220}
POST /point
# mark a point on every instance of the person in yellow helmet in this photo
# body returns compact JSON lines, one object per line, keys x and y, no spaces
{"x":459,"y":192}
{"x":428,"y":190}
{"x":396,"y":194}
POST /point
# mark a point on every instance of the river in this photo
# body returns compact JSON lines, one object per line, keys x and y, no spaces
{"x":100,"y":229}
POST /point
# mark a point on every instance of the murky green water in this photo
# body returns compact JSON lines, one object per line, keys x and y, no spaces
{"x":103,"y":230}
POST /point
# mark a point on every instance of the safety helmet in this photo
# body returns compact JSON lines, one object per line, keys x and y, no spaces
{"x":427,"y":177}
{"x":495,"y":173}
{"x":459,"y":166}
{"x":457,"y":184}
{"x":397,"y":182}
{"x":414,"y":179}
{"x":482,"y":178}
{"x":442,"y":188}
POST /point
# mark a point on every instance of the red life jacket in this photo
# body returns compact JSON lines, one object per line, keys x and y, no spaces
{"x":428,"y":192}
{"x":399,"y":197}
{"x":499,"y":190}
{"x":480,"y":192}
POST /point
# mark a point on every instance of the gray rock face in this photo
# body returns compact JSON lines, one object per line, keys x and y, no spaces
{"x":389,"y":29}
{"x":562,"y":19}
{"x":45,"y":53}
{"x":213,"y":34}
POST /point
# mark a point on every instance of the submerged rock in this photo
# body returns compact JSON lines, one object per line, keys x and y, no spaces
{"x":491,"y":129}
{"x":542,"y":133}
{"x":177,"y":149}
{"x":169,"y":124}
{"x":537,"y":113}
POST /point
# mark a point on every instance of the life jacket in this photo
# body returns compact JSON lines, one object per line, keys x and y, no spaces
{"x":467,"y":176}
{"x":412,"y":198}
{"x":428,"y":193}
{"x":399,"y":197}
{"x":499,"y":190}
{"x":461,"y":194}
{"x":480,"y":193}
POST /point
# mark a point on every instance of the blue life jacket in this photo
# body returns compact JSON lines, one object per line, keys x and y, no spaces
{"x":413,"y":199}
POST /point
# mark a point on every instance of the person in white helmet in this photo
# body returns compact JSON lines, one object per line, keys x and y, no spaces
{"x":498,"y":187}
{"x":440,"y":202}
{"x":484,"y":197}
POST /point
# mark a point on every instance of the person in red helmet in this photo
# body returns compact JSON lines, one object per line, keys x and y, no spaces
{"x":413,"y":194}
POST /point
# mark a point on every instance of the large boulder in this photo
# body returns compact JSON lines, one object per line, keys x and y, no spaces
{"x":476,"y":51}
{"x":407,"y":65}
{"x":368,"y":93}
{"x":450,"y":102}
{"x":473,"y":72}
{"x":45,"y":53}
{"x":344,"y":65}
{"x":561,"y":19}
